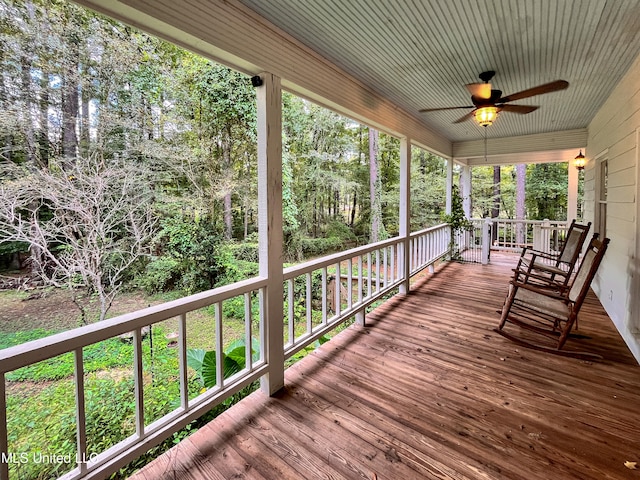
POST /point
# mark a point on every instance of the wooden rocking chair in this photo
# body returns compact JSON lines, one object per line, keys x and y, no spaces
{"x":551,"y":312}
{"x":539,"y":267}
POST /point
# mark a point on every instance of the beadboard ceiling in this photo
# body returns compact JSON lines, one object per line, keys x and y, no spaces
{"x":421,"y":53}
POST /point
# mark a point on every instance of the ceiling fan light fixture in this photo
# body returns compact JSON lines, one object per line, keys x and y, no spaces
{"x":485,"y":116}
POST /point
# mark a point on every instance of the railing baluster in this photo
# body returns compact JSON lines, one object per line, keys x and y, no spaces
{"x":337,"y":295}
{"x":393,"y":263}
{"x":360,"y":279}
{"x":309,"y":304}
{"x":384,"y":266}
{"x":377,"y":270}
{"x":263,"y":336}
{"x":248,"y":334}
{"x":349,"y":283}
{"x":139,"y":380}
{"x":291,"y":322}
{"x":182,"y":354}
{"x":219,"y":346}
{"x":81,"y":417}
{"x":324,"y":295}
{"x":4,"y":440}
{"x":369,"y":286}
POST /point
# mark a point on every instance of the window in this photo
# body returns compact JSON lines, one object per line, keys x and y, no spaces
{"x":602,"y":198}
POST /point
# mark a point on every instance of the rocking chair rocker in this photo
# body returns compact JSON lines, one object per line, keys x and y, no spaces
{"x":551,"y":313}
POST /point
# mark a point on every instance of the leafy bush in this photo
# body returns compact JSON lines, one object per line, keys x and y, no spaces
{"x":313,"y":247}
{"x":247,"y":252}
{"x":161,"y":275}
{"x":204,"y":362}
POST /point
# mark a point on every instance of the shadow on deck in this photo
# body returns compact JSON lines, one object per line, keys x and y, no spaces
{"x":428,"y":390}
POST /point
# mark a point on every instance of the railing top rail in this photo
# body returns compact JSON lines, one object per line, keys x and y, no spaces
{"x":550,"y":223}
{"x":329,"y":260}
{"x":37,"y":350}
{"x":427,"y":230}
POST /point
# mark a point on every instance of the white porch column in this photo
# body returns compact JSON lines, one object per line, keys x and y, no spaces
{"x":405,"y":210}
{"x":572,"y":193}
{"x":466,"y":190}
{"x":269,"y":123}
{"x":449,"y":186}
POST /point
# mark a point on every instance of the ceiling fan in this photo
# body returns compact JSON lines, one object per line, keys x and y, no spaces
{"x":487,"y":102}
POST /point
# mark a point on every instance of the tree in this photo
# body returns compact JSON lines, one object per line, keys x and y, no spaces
{"x":375,"y":188}
{"x":90,"y":221}
{"x":546,"y":191}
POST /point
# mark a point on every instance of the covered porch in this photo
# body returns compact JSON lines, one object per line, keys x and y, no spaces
{"x":427,"y":390}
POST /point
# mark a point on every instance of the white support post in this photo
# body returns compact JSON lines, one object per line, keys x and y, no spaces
{"x":269,"y":123}
{"x":405,"y":211}
{"x":572,"y":194}
{"x":486,"y":241}
{"x":466,"y":190}
{"x":449,"y":186}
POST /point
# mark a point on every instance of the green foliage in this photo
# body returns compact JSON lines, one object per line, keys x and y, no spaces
{"x":308,"y":349}
{"x":160,"y":275}
{"x":245,"y":251}
{"x":547,"y":191}
{"x":457,"y":220}
{"x":204,"y":362}
{"x":108,"y":354}
{"x":314,"y":247}
{"x":194,"y":257}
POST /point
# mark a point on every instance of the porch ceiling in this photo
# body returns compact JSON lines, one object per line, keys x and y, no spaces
{"x":420,"y":54}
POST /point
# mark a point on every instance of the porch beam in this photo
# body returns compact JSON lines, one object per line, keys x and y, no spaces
{"x":537,"y":148}
{"x":270,"y":237}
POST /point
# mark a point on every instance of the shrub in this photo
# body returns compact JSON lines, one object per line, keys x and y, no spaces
{"x":161,"y":275}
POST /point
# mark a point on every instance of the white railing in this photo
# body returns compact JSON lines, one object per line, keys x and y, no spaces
{"x":360,"y":277}
{"x":323,"y":293}
{"x":513,"y":235}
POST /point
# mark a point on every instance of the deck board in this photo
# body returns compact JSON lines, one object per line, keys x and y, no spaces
{"x":428,"y":390}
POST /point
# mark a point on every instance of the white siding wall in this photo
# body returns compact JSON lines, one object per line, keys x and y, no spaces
{"x":613,"y":135}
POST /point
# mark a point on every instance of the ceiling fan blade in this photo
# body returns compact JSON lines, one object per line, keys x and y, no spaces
{"x":539,"y":90}
{"x":442,"y":109}
{"x":479,"y":90}
{"x":466,"y":117}
{"x":517,"y":108}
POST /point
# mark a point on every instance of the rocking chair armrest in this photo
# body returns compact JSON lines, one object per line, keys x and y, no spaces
{"x":540,"y":279}
{"x":542,"y":290}
{"x":531,"y":274}
{"x":537,"y":253}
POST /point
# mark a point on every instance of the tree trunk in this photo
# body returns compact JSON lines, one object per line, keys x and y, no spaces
{"x":70,"y":105}
{"x":27,"y":94}
{"x":6,"y":148}
{"x":353,"y":208}
{"x":226,"y":161}
{"x":43,"y":135}
{"x":85,"y":136}
{"x":374,"y":195}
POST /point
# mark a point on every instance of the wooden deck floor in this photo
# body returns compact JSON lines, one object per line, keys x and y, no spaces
{"x":428,"y":390}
